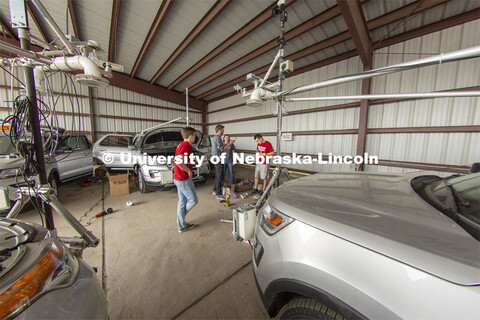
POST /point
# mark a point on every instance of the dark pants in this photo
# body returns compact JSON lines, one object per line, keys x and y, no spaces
{"x":219,"y":177}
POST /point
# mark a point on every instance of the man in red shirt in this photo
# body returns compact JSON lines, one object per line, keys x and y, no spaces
{"x":182,"y":178}
{"x":262,"y":168}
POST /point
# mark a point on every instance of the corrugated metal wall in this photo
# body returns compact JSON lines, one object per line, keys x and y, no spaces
{"x":434,"y":148}
{"x":135,"y":112}
{"x":306,"y":144}
{"x":460,"y":148}
{"x":71,"y":108}
{"x":114,"y":109}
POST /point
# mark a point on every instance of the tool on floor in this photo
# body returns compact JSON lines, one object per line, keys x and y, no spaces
{"x":226,"y":202}
{"x":131,"y":203}
{"x":103,"y":213}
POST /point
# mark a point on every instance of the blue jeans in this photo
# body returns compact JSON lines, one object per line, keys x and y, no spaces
{"x":229,"y":166}
{"x":187,"y":199}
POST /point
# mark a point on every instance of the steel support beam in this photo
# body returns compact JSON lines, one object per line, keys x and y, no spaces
{"x":73,"y":17}
{"x":113,"y":29}
{"x":152,"y":33}
{"x":355,"y":19}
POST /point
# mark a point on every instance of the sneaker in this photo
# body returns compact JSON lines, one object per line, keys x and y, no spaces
{"x":214,"y":193}
{"x":188,"y":227}
{"x":261,"y":193}
{"x":220,"y":197}
{"x":254,"y":190}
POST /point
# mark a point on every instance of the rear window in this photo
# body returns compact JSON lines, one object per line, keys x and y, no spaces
{"x":66,"y":143}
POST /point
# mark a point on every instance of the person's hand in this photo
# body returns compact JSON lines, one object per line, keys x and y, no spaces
{"x":190,"y":174}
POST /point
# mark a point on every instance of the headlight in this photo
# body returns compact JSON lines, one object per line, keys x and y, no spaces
{"x":8,"y":173}
{"x":57,"y":268}
{"x":272,"y":221}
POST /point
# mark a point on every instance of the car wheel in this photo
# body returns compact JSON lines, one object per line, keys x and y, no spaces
{"x":53,"y":181}
{"x":303,"y":308}
{"x":142,"y":184}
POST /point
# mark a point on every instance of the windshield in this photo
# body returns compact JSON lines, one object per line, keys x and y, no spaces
{"x":457,"y":196}
{"x":163,"y":140}
{"x":466,"y":192}
{"x":6,"y":146}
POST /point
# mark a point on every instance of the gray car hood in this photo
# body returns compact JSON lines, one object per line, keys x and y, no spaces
{"x":10,"y":163}
{"x":381,"y":212}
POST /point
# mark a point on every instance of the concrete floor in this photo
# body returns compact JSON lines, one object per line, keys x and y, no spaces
{"x":154,"y":272}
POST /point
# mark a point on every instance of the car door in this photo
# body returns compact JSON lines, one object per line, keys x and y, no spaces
{"x":74,"y":157}
{"x":114,"y":145}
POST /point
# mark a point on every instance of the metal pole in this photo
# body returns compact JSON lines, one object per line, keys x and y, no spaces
{"x":48,"y":18}
{"x":186,"y":94}
{"x":420,"y":95}
{"x":473,"y":52}
{"x":24,"y":53}
{"x":89,"y":237}
{"x":35,"y":123}
{"x":281,"y":77}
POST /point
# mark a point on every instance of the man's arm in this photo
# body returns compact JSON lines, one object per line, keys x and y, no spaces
{"x":272,"y":152}
{"x":186,"y":169}
{"x":219,"y":143}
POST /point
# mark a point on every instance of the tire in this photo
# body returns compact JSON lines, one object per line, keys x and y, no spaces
{"x":53,"y":181}
{"x":304,"y":308}
{"x":205,"y":177}
{"x":142,"y":186}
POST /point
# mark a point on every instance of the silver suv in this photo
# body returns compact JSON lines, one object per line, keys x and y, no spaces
{"x":41,"y":279}
{"x":71,"y":159}
{"x":379,"y":246}
{"x":163,"y":142}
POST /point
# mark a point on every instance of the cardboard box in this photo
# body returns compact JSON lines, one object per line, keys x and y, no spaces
{"x":119,"y":184}
{"x":235,"y":188}
{"x":230,"y":186}
{"x":243,"y":188}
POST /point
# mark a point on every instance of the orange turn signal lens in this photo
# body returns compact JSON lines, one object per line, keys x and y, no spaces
{"x":32,"y":283}
{"x":275,"y":221}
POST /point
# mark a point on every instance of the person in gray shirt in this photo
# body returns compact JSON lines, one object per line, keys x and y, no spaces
{"x":217,"y":149}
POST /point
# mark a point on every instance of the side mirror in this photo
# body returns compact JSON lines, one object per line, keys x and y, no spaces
{"x":475,"y":167}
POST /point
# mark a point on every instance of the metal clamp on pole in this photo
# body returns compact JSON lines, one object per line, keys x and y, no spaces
{"x":90,"y":239}
{"x":276,"y":176}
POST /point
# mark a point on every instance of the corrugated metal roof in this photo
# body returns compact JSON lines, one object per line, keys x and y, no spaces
{"x":182,"y":18}
{"x":132,"y":34}
{"x":93,"y":18}
{"x":136,"y":17}
{"x":435,"y":14}
{"x":233,"y":18}
{"x":267,"y":32}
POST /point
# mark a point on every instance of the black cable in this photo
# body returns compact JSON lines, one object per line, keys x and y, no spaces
{"x":6,"y":70}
